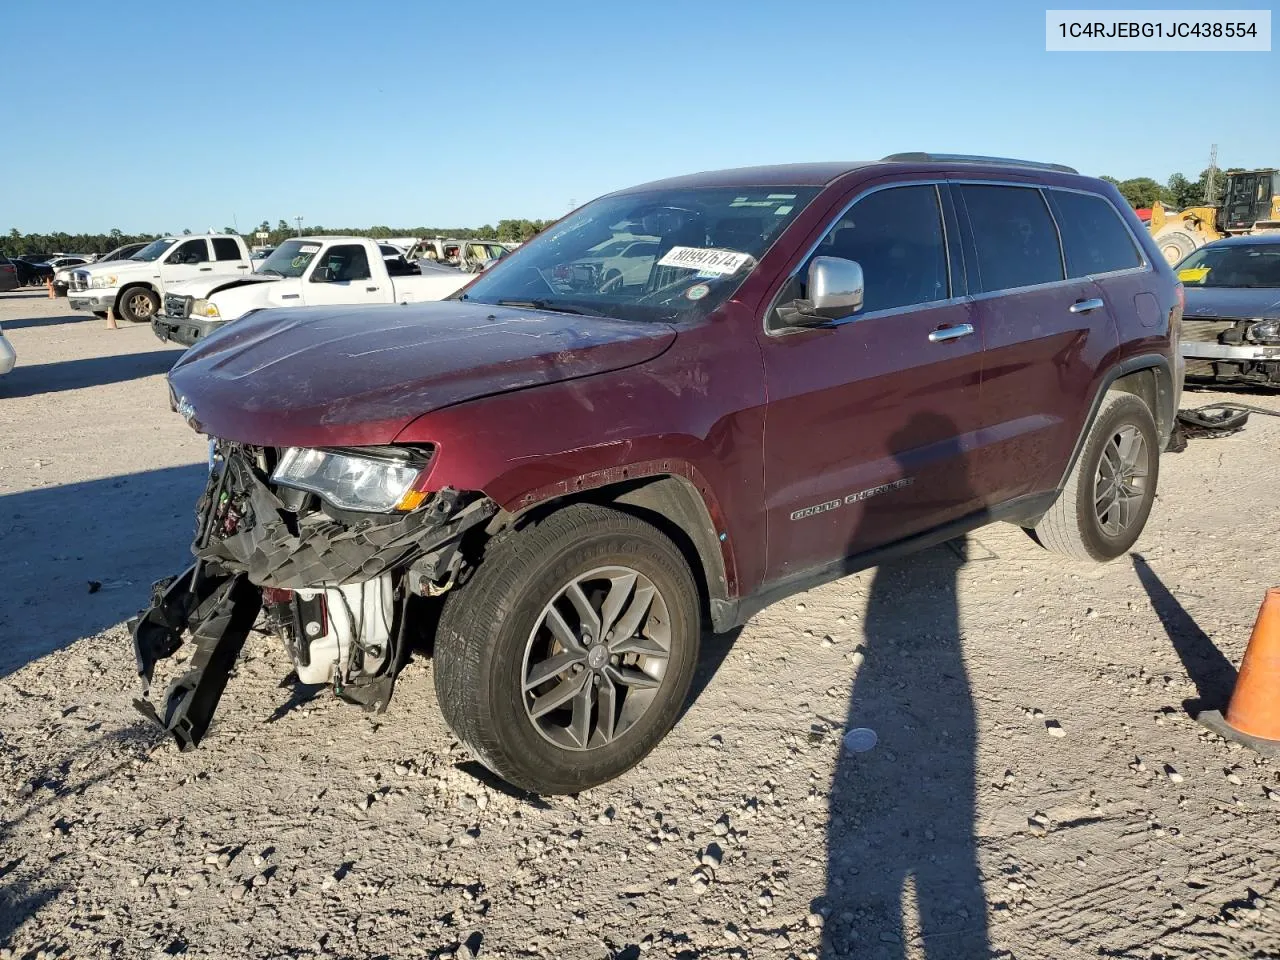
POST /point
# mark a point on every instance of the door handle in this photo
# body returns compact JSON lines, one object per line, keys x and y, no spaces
{"x":943,"y":334}
{"x":370,"y":289}
{"x":205,"y":269}
{"x":1086,"y":306}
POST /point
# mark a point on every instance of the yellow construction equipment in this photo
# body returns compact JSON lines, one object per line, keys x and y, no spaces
{"x":1252,"y":205}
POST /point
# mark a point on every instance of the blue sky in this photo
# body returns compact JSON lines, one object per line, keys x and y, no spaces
{"x":164,"y":116}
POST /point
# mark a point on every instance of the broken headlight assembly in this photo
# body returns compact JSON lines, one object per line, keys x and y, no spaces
{"x":1265,"y":331}
{"x":355,"y":481}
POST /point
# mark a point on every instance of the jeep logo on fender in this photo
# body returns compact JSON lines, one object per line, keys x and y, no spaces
{"x":853,"y":498}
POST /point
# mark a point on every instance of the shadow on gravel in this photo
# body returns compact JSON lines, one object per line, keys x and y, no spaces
{"x":902,"y":873}
{"x":29,"y":322}
{"x":40,"y":378}
{"x":1211,"y":672}
{"x":712,"y":652}
{"x":21,"y":897}
{"x":122,"y":532}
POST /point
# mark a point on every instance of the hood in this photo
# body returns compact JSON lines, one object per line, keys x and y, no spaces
{"x":118,"y":266}
{"x":204,"y":286}
{"x":1232,"y":303}
{"x":331,"y":376}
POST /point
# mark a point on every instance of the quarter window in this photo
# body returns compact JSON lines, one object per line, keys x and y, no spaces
{"x":896,"y":236}
{"x":1093,"y":237}
{"x":1017,"y":244}
{"x":225,"y":248}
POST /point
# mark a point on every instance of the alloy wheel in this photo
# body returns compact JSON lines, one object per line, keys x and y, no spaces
{"x":1120,"y":485}
{"x":596,"y":658}
{"x":140,"y":305}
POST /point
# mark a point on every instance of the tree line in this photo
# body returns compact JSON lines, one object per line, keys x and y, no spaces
{"x":1178,"y":191}
{"x":16,"y":243}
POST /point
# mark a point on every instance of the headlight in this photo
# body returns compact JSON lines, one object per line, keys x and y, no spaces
{"x":1265,"y":331}
{"x":203,"y":308}
{"x":350,"y":481}
{"x":103,"y":281}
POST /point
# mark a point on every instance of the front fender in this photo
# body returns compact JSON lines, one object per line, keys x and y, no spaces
{"x":531,"y":446}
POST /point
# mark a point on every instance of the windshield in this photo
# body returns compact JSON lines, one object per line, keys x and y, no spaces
{"x":290,"y":259}
{"x":153,"y":250}
{"x":700,"y":244}
{"x":1233,"y":265}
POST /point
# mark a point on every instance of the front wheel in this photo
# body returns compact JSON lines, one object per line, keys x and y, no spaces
{"x":1176,"y":244}
{"x":568,"y":656}
{"x":138,"y":304}
{"x":1108,"y":496}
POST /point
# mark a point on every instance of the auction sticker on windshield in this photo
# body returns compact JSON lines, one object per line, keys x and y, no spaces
{"x":705,"y":259}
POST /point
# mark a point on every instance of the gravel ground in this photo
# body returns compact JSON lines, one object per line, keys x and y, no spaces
{"x":1038,"y":790}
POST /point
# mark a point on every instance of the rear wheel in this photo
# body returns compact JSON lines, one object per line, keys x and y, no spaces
{"x":569,"y":654}
{"x":1108,"y":496}
{"x":138,"y":304}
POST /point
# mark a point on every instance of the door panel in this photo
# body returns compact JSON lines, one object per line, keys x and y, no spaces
{"x":868,"y":423}
{"x":187,"y":261}
{"x":1037,"y":381}
{"x":352,"y":279}
{"x":1045,"y":338}
{"x":865,"y":434}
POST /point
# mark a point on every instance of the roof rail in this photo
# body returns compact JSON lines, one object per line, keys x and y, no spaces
{"x":921,"y":157}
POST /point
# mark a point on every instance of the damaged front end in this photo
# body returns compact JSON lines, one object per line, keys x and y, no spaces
{"x":333,"y":580}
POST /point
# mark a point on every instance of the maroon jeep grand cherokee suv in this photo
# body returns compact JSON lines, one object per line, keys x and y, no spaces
{"x":675,"y":406}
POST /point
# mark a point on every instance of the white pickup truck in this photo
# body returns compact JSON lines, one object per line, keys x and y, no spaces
{"x":304,"y":272}
{"x":134,"y":288}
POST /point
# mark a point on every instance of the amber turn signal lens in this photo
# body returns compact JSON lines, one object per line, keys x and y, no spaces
{"x":411,"y":500}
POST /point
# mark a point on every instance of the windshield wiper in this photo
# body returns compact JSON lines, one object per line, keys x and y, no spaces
{"x":263,"y":273}
{"x":545,"y":305}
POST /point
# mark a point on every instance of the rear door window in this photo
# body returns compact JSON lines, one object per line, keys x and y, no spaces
{"x":1094,"y":238}
{"x":225,"y":248}
{"x":1017,"y":243}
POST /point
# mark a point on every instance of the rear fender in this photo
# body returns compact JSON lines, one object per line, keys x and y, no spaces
{"x":1147,"y":376}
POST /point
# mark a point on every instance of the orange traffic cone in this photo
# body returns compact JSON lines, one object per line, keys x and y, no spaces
{"x":1253,"y":716}
{"x":49,"y":285}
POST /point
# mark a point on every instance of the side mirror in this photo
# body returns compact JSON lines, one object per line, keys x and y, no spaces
{"x":322,"y":274}
{"x":835,"y":286}
{"x":835,"y":290}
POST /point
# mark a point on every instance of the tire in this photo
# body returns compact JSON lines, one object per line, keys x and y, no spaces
{"x":492,"y":631}
{"x":137,"y":304}
{"x":100,"y":314}
{"x":1072,"y":526}
{"x":1176,"y":244}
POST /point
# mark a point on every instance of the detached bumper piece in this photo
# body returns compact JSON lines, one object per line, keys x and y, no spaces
{"x":218,"y":610}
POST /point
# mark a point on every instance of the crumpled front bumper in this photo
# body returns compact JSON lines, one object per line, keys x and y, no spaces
{"x":1196,"y":350}
{"x":248,"y":539}
{"x":1224,"y":350}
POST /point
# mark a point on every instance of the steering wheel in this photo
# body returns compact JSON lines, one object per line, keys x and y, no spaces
{"x":612,"y":281}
